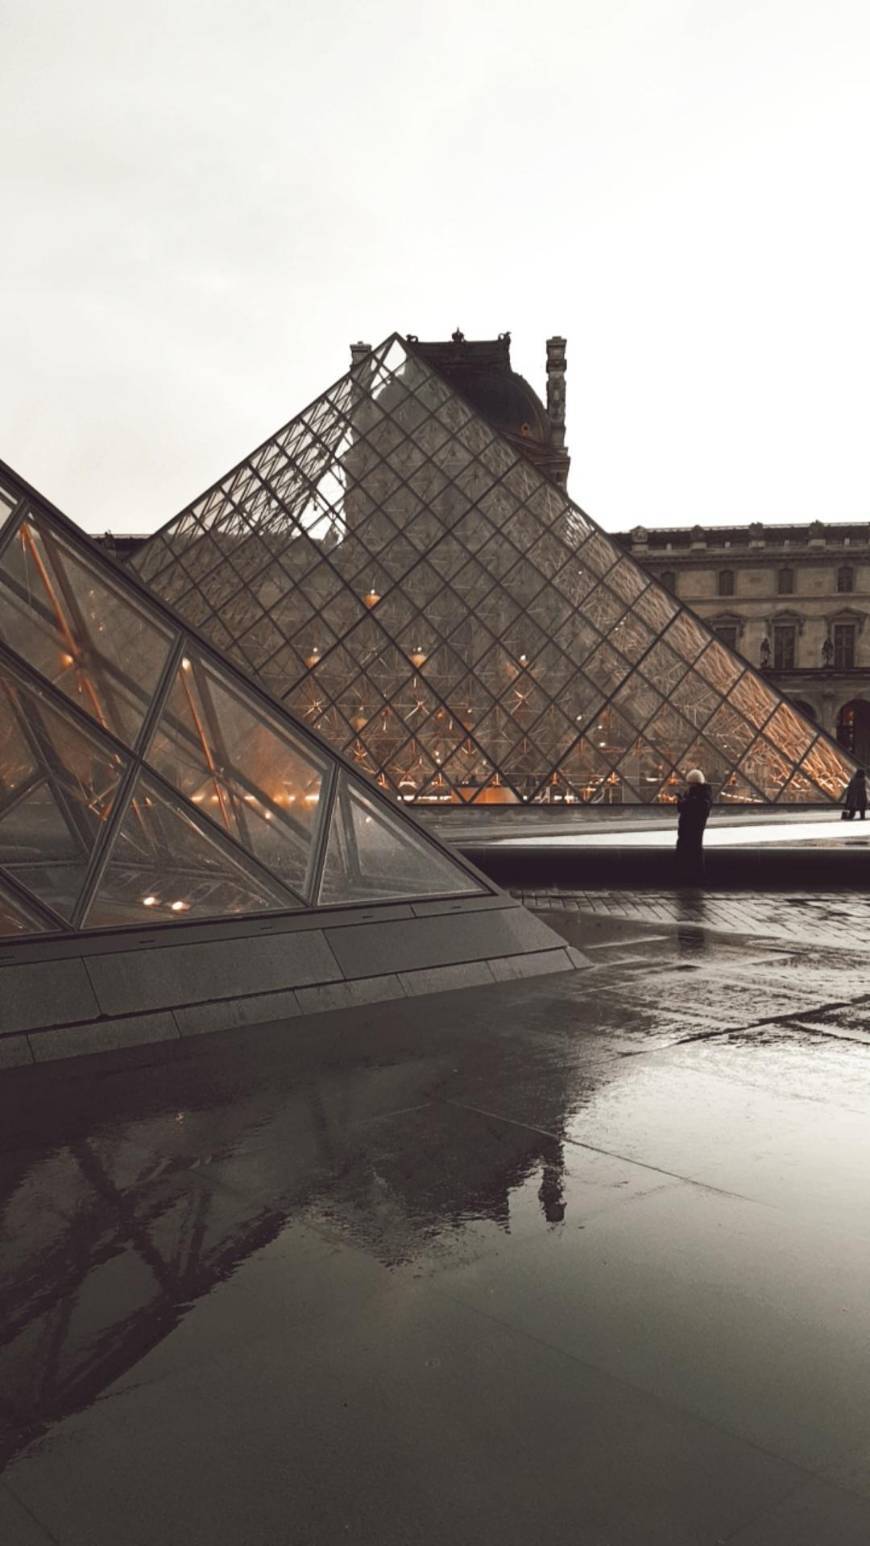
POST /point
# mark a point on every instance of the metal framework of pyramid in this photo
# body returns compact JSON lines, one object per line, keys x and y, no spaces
{"x":144,"y":780}
{"x":411,"y":586}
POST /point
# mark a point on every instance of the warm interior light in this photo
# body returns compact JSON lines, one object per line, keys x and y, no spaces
{"x":371,"y":597}
{"x":67,"y":660}
{"x":185,"y":664}
{"x":418,"y":657}
{"x":524,"y":660}
{"x":312,"y":659}
{"x":180,"y":907}
{"x":312,"y":799}
{"x":149,"y":901}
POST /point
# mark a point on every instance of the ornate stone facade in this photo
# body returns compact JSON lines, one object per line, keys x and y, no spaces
{"x":794,"y":600}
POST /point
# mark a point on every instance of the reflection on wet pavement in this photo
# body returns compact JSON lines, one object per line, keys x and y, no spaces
{"x":584,"y":1257}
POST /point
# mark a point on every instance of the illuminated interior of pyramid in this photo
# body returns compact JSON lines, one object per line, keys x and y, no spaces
{"x":144,"y":780}
{"x":413,"y":586}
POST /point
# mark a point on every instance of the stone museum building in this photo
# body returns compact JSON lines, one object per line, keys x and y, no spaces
{"x":793,"y":600}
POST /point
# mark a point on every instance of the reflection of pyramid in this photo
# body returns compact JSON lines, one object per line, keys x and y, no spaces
{"x":143,"y":781}
{"x":407,"y":580}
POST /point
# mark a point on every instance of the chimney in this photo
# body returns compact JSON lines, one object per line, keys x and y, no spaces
{"x":556,"y":366}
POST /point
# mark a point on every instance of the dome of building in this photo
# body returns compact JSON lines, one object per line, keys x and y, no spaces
{"x":480,"y":370}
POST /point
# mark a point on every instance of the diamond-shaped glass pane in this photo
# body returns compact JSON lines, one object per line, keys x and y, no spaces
{"x":76,"y":627}
{"x":371,"y":855}
{"x":166,"y":866}
{"x":235,"y":761}
{"x":57,"y":791}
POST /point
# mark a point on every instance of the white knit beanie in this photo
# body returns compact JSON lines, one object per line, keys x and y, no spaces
{"x":695,"y":777}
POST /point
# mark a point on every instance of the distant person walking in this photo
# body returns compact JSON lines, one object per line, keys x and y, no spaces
{"x":694,"y":806}
{"x":855,"y":798}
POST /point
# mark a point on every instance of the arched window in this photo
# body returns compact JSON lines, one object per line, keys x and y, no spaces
{"x":785,"y":582}
{"x":668,"y":579}
{"x":845,"y":578}
{"x":725,"y":582}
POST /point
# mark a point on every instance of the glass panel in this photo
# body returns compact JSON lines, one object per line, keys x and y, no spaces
{"x":229,"y":755}
{"x":662,"y":666}
{"x":589,"y":775}
{"x":669,"y":733}
{"x":718,"y":667}
{"x":611,"y":734}
{"x":606,"y":668}
{"x":15,"y":918}
{"x":637,"y":700}
{"x":59,"y":785}
{"x":166,"y":867}
{"x":766,"y":769}
{"x":687,"y":636}
{"x":645,"y":769}
{"x":8,"y":501}
{"x":603,"y":609}
{"x":631,"y":637}
{"x":800,"y":791}
{"x":655,"y":608}
{"x":790,"y":732}
{"x":753,"y":699}
{"x":831,"y":771}
{"x":80,"y":630}
{"x":729,"y":732}
{"x":627,"y":581}
{"x":372,"y":856}
{"x":695,"y":699}
{"x":713,"y":764}
{"x":552,"y":735}
{"x":599,"y":553}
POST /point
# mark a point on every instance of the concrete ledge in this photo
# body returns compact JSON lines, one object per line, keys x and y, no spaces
{"x":228,"y":1014}
{"x":102,"y":1036}
{"x":32,"y":995}
{"x":194,"y":1020}
{"x":105,"y":1000}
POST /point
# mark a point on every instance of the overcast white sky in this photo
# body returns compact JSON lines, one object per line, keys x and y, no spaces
{"x":205,"y":202}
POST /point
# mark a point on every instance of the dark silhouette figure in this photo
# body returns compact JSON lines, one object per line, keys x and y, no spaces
{"x":694,"y":806}
{"x":855,"y":798}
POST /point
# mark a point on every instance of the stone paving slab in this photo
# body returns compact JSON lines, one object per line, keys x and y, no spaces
{"x":581,"y":1257}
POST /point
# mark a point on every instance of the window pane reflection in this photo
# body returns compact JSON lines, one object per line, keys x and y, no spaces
{"x":241,"y":767}
{"x":79,"y":630}
{"x":371,"y":856}
{"x":167,"y":868}
{"x":57,"y":790}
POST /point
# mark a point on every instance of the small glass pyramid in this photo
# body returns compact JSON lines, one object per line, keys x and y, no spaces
{"x":412,"y":587}
{"x":143,"y":780}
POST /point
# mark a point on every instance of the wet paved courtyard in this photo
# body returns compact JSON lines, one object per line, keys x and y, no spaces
{"x":583,"y":1258}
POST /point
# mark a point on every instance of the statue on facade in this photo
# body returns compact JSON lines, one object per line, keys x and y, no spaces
{"x":765,"y":654}
{"x":827,"y":653}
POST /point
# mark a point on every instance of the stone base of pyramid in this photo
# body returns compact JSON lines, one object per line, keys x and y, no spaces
{"x":90,"y":994}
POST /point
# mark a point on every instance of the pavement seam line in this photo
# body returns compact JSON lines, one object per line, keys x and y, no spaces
{"x":577,"y":1143}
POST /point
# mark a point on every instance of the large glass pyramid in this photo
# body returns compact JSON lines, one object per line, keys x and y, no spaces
{"x":417,"y":591}
{"x":143,"y":780}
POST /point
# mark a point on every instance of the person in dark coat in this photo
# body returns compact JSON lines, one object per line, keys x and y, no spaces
{"x":855,"y":799}
{"x":694,"y":806}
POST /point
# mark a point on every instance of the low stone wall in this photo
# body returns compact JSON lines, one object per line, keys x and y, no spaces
{"x":66,"y":997}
